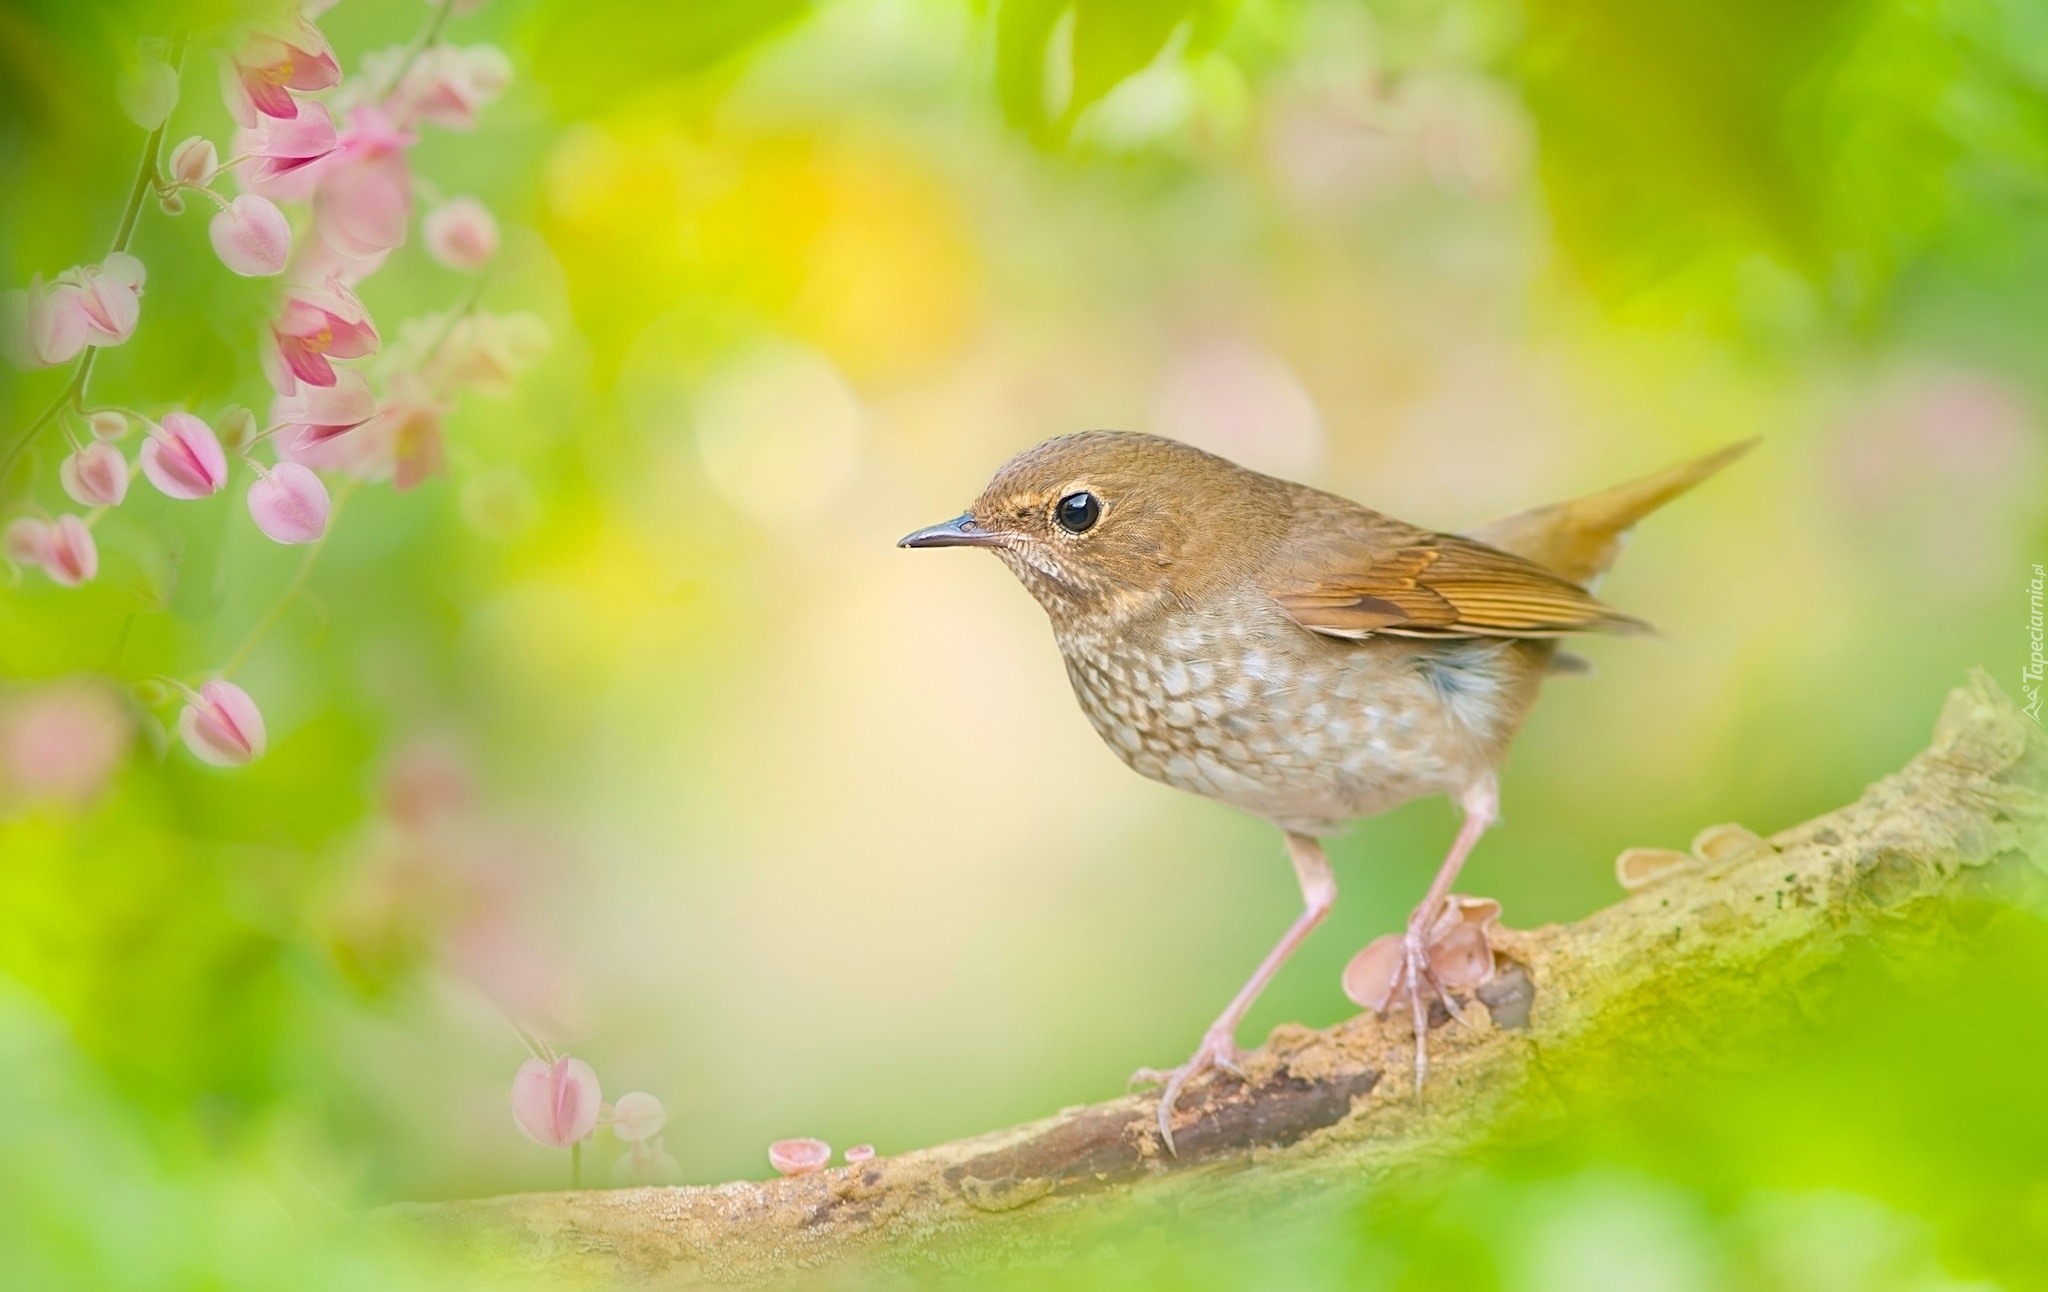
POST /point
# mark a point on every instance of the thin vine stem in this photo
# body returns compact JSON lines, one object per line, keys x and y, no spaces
{"x":292,"y":589}
{"x":73,"y":393}
{"x":429,"y":36}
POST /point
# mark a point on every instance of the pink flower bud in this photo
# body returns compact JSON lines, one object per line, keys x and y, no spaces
{"x":799,"y":1156}
{"x":221,"y":725}
{"x":95,"y":476}
{"x":108,"y":425}
{"x":183,"y":459}
{"x":236,"y":427}
{"x":860,"y":1153}
{"x":44,"y":325}
{"x":27,"y":541}
{"x":319,"y":413}
{"x":147,"y":92}
{"x":289,"y":504}
{"x":461,"y":234}
{"x":555,"y":1104}
{"x":70,"y":558}
{"x":637,"y":1116}
{"x":152,"y":693}
{"x":251,"y":236}
{"x":194,"y":161}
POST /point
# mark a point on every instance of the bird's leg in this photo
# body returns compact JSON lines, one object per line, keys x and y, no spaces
{"x":1219,"y":1043}
{"x":1481,"y":805}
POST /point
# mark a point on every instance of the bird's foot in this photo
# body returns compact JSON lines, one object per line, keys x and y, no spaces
{"x":1217,"y":1051}
{"x":1439,"y":952}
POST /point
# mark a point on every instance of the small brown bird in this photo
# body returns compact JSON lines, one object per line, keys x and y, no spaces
{"x":1297,"y":655}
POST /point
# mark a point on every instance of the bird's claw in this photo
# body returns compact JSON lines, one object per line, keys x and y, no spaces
{"x":1440,"y":952}
{"x":1423,"y":989}
{"x":1218,"y":1051}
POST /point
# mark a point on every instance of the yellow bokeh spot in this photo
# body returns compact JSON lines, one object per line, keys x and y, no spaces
{"x":854,"y":246}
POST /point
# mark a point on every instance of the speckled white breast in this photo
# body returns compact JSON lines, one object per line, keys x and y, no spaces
{"x":1241,"y":704}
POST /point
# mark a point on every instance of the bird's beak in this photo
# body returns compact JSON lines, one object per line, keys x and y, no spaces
{"x":961,"y":531}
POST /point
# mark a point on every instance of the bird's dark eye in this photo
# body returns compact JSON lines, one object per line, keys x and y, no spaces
{"x":1078,"y":512}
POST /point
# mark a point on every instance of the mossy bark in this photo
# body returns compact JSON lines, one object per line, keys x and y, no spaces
{"x":1659,"y":982}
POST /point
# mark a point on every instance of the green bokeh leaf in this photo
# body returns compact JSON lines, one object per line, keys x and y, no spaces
{"x":588,"y":51}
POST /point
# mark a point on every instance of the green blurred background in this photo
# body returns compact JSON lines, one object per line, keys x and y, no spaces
{"x":804,"y":834}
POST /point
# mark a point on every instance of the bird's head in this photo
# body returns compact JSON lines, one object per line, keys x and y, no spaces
{"x":1106,"y":524}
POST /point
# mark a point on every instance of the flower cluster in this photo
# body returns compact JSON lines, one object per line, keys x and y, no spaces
{"x":557,"y":1103}
{"x":323,"y":192}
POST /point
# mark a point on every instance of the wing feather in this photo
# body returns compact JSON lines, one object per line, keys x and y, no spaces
{"x":1408,"y":582}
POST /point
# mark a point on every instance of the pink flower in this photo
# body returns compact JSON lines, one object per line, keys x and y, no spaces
{"x":274,"y":59}
{"x":644,"y":1162}
{"x":221,"y":725}
{"x":637,"y":1116}
{"x":362,"y":203}
{"x":289,"y":504}
{"x":799,"y":1156}
{"x":481,"y":350}
{"x":45,"y":325}
{"x":193,"y":161}
{"x":316,"y":322}
{"x":448,"y":86}
{"x":283,"y":146}
{"x":61,"y":742}
{"x":183,"y":459}
{"x":316,"y":414}
{"x":251,"y":237}
{"x":555,"y":1104}
{"x":95,"y":476}
{"x":108,"y":425}
{"x":111,"y":295}
{"x":461,"y":234}
{"x":27,"y":541}
{"x":411,"y":423}
{"x":69,"y":556}
{"x":320,"y":261}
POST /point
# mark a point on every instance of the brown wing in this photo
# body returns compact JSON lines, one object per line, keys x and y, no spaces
{"x":1412,"y":583}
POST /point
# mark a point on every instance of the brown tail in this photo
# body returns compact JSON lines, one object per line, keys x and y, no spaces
{"x":1580,"y":539}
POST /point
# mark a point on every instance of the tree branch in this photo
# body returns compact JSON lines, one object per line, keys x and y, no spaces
{"x":1661,"y":975}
